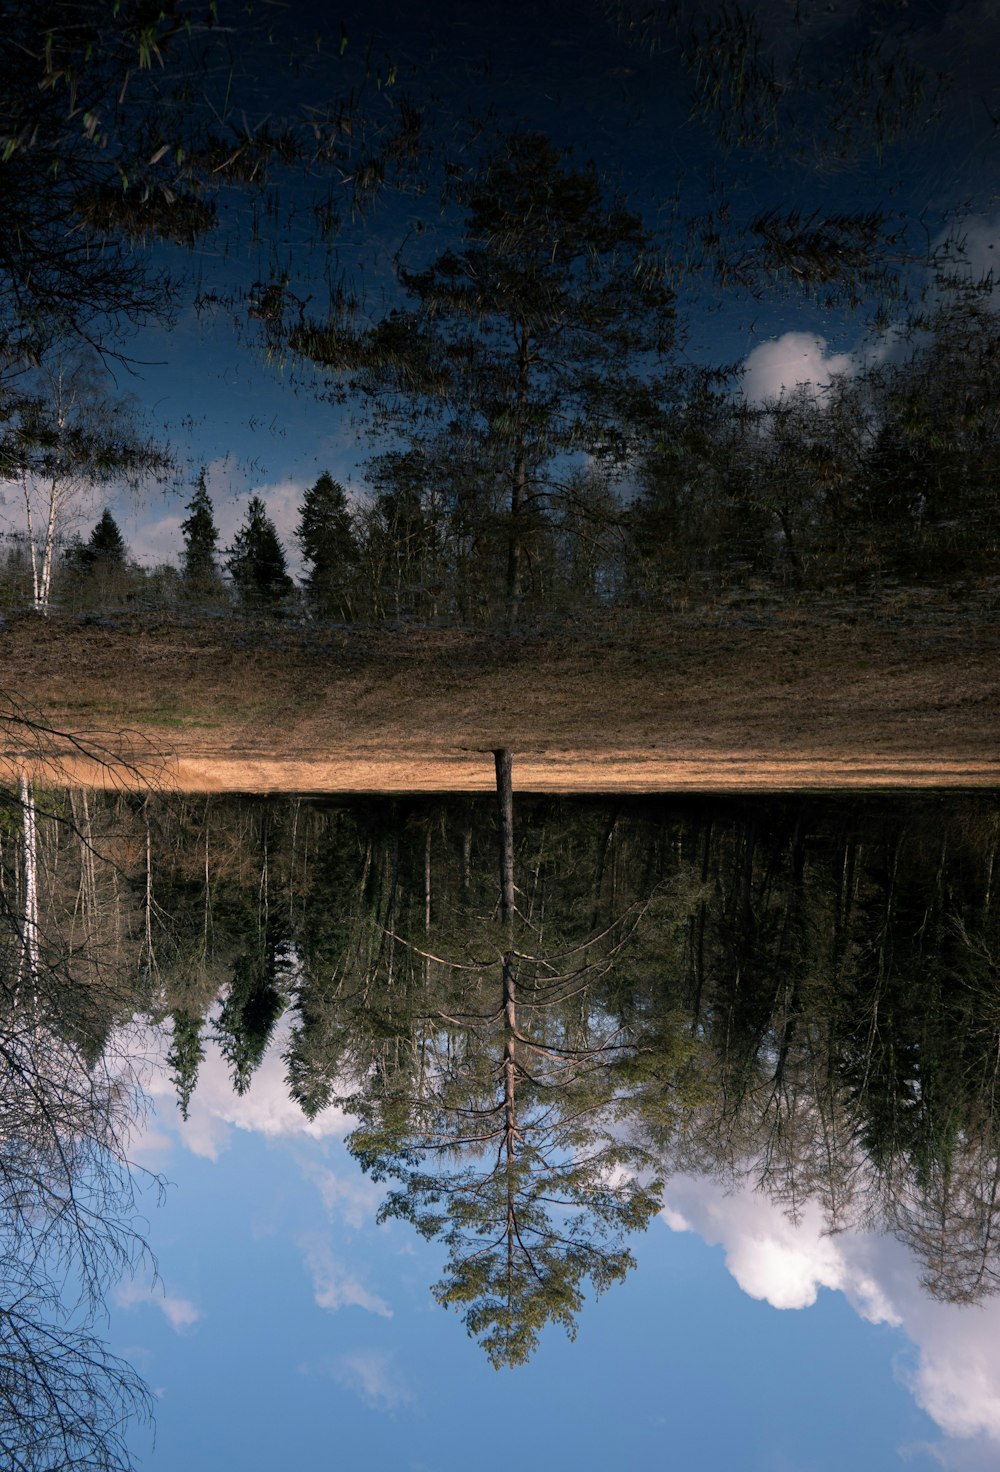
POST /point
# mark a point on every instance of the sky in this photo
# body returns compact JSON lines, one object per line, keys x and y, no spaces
{"x":286,"y":1326}
{"x":268,"y":428}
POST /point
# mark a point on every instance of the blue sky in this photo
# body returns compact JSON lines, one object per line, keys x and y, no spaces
{"x":289,"y":1329}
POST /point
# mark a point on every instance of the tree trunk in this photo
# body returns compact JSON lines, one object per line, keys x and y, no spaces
{"x":505,"y":808}
{"x":29,"y":944}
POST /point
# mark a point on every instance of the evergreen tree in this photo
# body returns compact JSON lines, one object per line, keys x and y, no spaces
{"x":201,"y":538}
{"x":105,"y":549}
{"x":256,"y":560}
{"x":184,"y":1058}
{"x":540,"y":337}
{"x":107,"y":545}
{"x":326,"y":535}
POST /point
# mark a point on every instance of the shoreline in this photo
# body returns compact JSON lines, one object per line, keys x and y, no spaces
{"x":567,"y":772}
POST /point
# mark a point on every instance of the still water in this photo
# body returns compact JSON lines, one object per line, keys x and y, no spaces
{"x":331,"y":1134}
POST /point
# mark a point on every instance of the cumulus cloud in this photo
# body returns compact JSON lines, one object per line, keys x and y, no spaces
{"x":791,"y":361}
{"x":334,"y":1287}
{"x":370,"y":1374}
{"x":771,"y":1258}
{"x":180,"y":1313}
{"x":957,"y":1377}
{"x":955,"y":1373}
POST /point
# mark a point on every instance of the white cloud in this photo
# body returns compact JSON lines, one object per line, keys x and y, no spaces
{"x":180,"y":1313}
{"x":955,"y":1374}
{"x":770,"y":1258}
{"x":787,"y":362}
{"x":355,"y":1201}
{"x":370,"y":1374}
{"x":266,"y":1108}
{"x":333,"y":1286}
{"x":155,"y":542}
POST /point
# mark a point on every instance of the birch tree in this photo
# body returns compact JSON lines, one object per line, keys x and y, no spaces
{"x":68,"y":437}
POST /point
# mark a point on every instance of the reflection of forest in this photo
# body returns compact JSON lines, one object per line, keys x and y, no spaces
{"x":799,"y":992}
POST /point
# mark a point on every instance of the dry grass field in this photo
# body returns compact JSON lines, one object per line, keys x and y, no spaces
{"x":750,"y":694}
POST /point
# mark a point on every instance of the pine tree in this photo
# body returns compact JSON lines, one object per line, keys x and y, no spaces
{"x":256,"y":560}
{"x":539,"y":337}
{"x":186,"y":1053}
{"x":326,"y":535}
{"x":105,"y":548}
{"x":201,"y":538}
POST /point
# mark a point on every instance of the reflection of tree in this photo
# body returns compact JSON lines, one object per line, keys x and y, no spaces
{"x":514,"y":1104}
{"x":67,"y":1192}
{"x":796,"y":993}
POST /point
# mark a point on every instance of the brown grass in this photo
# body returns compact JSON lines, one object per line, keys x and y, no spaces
{"x":780,"y":697}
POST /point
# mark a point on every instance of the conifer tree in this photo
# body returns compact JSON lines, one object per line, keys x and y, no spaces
{"x":105,"y":548}
{"x":541,"y":336}
{"x":201,"y":538}
{"x":326,"y":536}
{"x":256,"y":560}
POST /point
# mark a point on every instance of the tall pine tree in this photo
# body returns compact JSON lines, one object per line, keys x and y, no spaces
{"x":256,"y":560}
{"x":201,"y":539}
{"x":326,"y":536}
{"x":540,"y":338}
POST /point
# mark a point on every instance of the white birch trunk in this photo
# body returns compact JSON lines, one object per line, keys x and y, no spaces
{"x":29,"y":968}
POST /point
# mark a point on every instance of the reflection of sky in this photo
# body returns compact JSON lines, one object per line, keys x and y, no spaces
{"x":562,"y":67}
{"x":290,"y":1329}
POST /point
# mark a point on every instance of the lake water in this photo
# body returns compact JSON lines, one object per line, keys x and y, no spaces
{"x":691,"y":1158}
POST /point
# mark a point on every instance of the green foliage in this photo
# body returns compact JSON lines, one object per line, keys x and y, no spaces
{"x":525,"y":1237}
{"x":329,"y":548}
{"x":538,"y":338}
{"x":256,"y":561}
{"x":104,"y":551}
{"x":201,"y":537}
{"x":256,"y":999}
{"x":184,"y":1057}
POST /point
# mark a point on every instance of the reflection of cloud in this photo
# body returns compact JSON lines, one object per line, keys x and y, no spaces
{"x":956,"y":1378}
{"x":266,"y":1108}
{"x":180,"y":1313}
{"x":788,"y":362}
{"x":161,"y":540}
{"x":335,"y":1288}
{"x":370,"y":1374}
{"x":355,"y":1201}
{"x":969,"y":253}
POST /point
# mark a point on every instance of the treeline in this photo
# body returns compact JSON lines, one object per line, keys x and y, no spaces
{"x":890,"y":476}
{"x":796,"y":992}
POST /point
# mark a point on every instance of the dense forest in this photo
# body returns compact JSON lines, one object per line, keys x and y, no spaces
{"x":796,"y":992}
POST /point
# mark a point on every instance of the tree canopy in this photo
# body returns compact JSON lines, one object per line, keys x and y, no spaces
{"x":538,"y":340}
